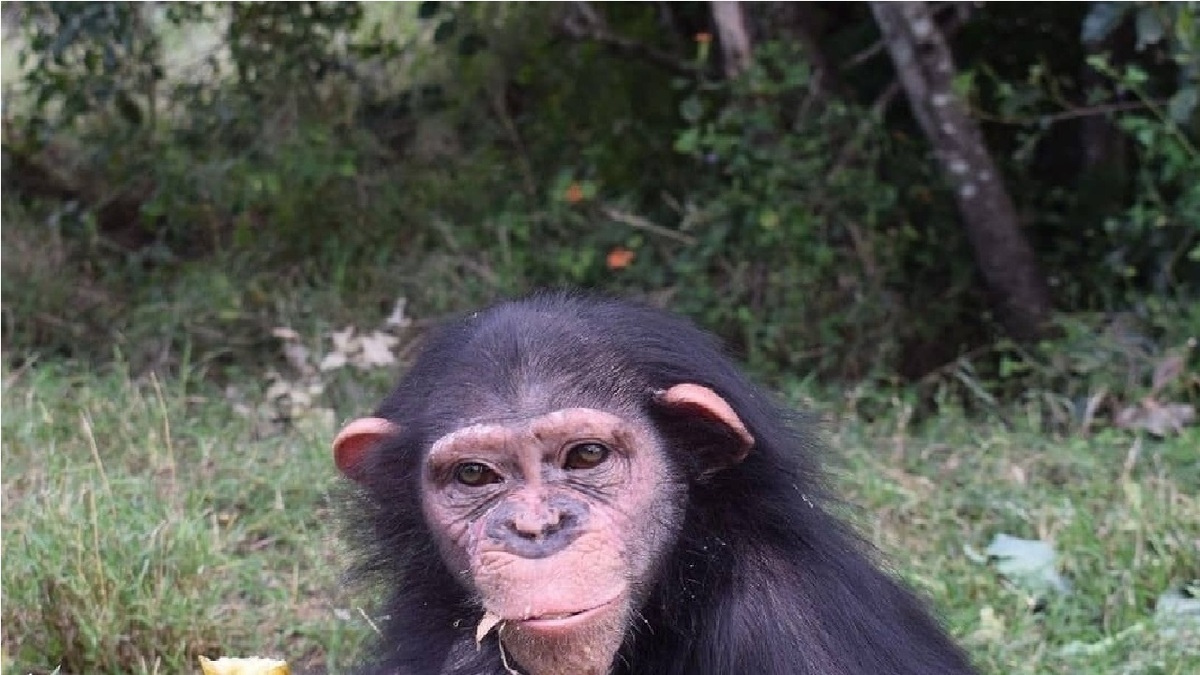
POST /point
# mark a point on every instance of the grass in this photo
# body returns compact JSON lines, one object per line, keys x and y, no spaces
{"x":1122,"y":512}
{"x":148,"y":521}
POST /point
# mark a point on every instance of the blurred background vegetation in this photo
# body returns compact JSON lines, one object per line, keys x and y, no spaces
{"x":987,"y":211}
{"x":170,"y":168}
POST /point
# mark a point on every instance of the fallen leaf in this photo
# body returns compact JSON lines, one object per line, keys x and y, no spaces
{"x":1170,"y":368}
{"x":343,"y":341}
{"x":376,"y":350}
{"x":1157,"y":418}
{"x":278,"y":389}
{"x":333,"y":361}
{"x":1029,"y":563}
{"x":1177,"y":611}
{"x":285,"y":333}
{"x":297,"y":356}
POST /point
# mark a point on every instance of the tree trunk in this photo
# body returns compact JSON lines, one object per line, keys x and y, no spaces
{"x":736,"y":48}
{"x":1003,"y":256}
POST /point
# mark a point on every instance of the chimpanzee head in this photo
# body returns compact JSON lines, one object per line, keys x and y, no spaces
{"x":551,"y":453}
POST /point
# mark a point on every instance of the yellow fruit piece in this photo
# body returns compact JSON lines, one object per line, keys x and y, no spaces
{"x":226,"y":666}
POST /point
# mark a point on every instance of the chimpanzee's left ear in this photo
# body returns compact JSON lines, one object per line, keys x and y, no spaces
{"x":702,"y":402}
{"x":355,"y":439}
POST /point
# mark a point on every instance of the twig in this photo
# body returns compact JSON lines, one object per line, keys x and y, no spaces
{"x":586,"y":24}
{"x":639,"y":223}
{"x":1074,"y":113}
{"x":514,"y":137}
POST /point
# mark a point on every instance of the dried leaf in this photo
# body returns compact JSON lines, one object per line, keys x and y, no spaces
{"x":1167,"y":371}
{"x":297,"y":356}
{"x":489,"y":621}
{"x":278,"y":389}
{"x":376,"y":350}
{"x":333,"y":361}
{"x":343,"y":341}
{"x":1157,"y":418}
{"x":285,"y":333}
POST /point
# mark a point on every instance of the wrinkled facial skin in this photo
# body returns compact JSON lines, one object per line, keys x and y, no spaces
{"x":552,"y":521}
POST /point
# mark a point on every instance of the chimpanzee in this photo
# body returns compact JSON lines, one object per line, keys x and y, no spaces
{"x":570,"y":484}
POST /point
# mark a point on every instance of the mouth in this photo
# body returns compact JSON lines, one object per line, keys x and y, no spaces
{"x":558,"y":623}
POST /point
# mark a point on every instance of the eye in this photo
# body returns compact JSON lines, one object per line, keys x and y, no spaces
{"x":474,"y":474}
{"x":586,"y":456}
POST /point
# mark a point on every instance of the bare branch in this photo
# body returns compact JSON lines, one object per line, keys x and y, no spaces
{"x":583,"y":22}
{"x":639,"y":223}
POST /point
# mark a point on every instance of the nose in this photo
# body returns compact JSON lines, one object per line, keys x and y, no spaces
{"x":539,"y":522}
{"x":536,"y":527}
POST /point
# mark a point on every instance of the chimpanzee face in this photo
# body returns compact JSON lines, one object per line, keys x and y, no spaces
{"x":555,"y":520}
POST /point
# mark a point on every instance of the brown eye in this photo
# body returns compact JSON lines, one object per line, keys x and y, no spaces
{"x":475,"y":474}
{"x":586,"y":456}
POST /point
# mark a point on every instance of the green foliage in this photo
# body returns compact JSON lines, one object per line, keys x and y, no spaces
{"x":804,"y":244}
{"x":1119,"y":218}
{"x":90,"y":59}
{"x":475,"y":144}
{"x":1098,"y":370}
{"x":1160,"y":231}
{"x":239,"y":138}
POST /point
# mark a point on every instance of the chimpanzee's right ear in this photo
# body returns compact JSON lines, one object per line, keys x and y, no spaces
{"x":355,"y":439}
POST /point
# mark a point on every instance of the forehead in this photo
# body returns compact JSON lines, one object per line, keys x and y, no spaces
{"x":513,"y":365}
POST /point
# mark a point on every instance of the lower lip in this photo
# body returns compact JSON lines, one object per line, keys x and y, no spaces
{"x":566,"y":624}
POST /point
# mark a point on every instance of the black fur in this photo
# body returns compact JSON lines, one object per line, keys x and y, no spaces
{"x":762,"y":578}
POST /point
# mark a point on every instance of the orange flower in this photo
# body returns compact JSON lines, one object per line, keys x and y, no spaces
{"x":619,"y":258}
{"x":704,"y":38}
{"x":574,"y":193}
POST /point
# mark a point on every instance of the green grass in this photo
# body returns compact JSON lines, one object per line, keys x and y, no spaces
{"x":146,"y":522}
{"x":1122,"y":512}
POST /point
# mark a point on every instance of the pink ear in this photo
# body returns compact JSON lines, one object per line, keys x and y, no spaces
{"x":700,"y":400}
{"x":355,"y":439}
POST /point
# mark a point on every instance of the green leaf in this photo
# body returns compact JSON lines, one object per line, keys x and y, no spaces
{"x":445,"y":31}
{"x":1135,"y":75}
{"x":471,"y":44}
{"x":963,"y":83}
{"x":691,"y":109}
{"x":1099,"y":62}
{"x":688,"y":142}
{"x":1183,"y":105}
